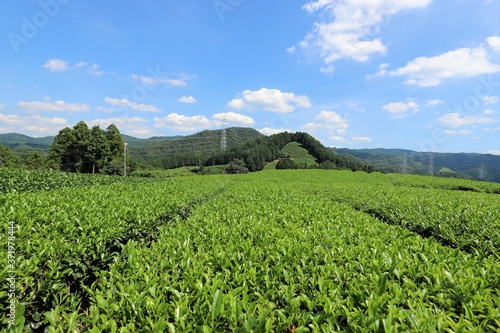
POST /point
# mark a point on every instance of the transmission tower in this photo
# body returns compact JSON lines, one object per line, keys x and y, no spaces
{"x":404,"y":169}
{"x":223,"y":139}
{"x":431,"y":165}
{"x":481,"y":172}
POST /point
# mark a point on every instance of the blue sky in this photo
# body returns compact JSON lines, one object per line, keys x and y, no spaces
{"x":415,"y":74}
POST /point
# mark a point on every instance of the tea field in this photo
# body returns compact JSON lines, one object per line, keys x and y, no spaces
{"x":273,"y":251}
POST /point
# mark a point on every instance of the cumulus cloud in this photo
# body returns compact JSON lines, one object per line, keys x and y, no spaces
{"x":400,"y":109}
{"x":455,"y":119}
{"x":494,"y":43}
{"x":56,"y":65}
{"x":327,"y":120}
{"x":435,"y":102}
{"x":125,"y":103}
{"x":353,"y":26}
{"x":130,"y":125}
{"x":270,"y":131}
{"x":93,"y":69}
{"x":223,"y":119}
{"x":35,"y":124}
{"x":187,"y":99}
{"x":60,"y":65}
{"x":327,"y":70}
{"x":179,"y":80}
{"x":358,"y":139}
{"x":181,"y":123}
{"x":490,"y":99}
{"x":57,"y":106}
{"x":494,"y":152}
{"x":456,"y":64}
{"x":272,"y":100}
{"x":337,"y":138}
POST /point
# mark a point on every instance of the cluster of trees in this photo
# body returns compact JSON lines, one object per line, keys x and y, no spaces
{"x":84,"y":150}
{"x":34,"y":160}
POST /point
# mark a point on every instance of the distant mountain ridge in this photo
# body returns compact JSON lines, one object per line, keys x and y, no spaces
{"x":18,"y":141}
{"x":460,"y":165}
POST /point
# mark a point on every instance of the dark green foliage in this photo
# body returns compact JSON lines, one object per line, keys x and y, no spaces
{"x":237,"y":166}
{"x":7,"y":157}
{"x":88,"y":151}
{"x":35,"y":161}
{"x":286,"y":163}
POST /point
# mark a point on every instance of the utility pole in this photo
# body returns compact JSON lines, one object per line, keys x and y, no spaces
{"x":125,"y":159}
{"x":481,"y":172}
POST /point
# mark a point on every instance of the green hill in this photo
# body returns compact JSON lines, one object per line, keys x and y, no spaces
{"x":458,"y":165}
{"x":22,"y":143}
{"x":137,"y":142}
{"x":203,"y":143}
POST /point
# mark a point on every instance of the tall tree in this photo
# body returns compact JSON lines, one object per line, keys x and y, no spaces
{"x":98,"y":151}
{"x":60,"y":150}
{"x":115,"y":141}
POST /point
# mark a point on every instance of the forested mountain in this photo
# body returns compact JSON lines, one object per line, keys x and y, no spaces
{"x":194,"y":146}
{"x":459,"y":165}
{"x":256,"y":154}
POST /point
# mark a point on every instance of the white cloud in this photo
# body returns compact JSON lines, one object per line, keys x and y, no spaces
{"x":454,"y":120}
{"x":291,"y":49}
{"x":488,"y":111}
{"x":93,"y":69}
{"x":496,"y":129}
{"x":435,"y":102}
{"x":400,"y":109}
{"x":35,"y":124}
{"x":354,"y":23}
{"x":329,"y":121}
{"x":129,"y":125}
{"x":382,"y":71}
{"x":457,"y":132}
{"x":494,"y":152}
{"x":181,"y":123}
{"x":272,"y":100}
{"x":222,"y":119}
{"x":116,"y":102}
{"x":327,"y":70}
{"x":2,"y":106}
{"x":358,"y":139}
{"x":494,"y":43}
{"x":270,"y":131}
{"x":56,"y":65}
{"x":187,"y":99}
{"x":105,"y":110}
{"x":490,"y":99}
{"x":57,"y":106}
{"x":337,"y":138}
{"x":181,"y":80}
{"x":456,"y":64}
